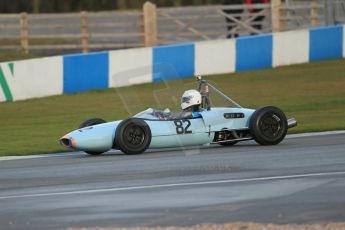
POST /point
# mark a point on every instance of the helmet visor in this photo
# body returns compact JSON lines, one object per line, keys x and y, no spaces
{"x":186,"y":99}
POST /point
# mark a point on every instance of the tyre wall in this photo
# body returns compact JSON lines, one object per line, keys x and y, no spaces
{"x":81,"y":72}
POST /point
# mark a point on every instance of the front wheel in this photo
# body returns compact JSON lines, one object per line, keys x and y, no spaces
{"x":133,"y":136}
{"x":268,"y":125}
{"x":91,"y":122}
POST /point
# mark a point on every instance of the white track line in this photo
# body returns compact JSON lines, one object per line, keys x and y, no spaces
{"x":77,"y":153}
{"x":315,"y":134}
{"x":10,"y":158}
{"x":78,"y":192}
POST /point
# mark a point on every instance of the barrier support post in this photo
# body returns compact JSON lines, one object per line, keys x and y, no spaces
{"x":276,"y":14}
{"x":150,"y":24}
{"x":24,"y":40}
{"x":313,"y":14}
{"x":84,"y":32}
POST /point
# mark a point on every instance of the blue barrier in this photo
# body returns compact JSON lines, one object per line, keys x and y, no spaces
{"x":171,"y":62}
{"x":85,"y":71}
{"x":326,"y":43}
{"x":254,"y":52}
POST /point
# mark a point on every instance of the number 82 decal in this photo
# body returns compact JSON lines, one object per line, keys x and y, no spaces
{"x":180,"y":129}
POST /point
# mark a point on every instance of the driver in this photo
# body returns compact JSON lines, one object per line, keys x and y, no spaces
{"x":191,"y":104}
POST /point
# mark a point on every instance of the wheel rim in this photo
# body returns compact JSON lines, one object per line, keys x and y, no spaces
{"x":134,"y":135}
{"x":271,"y":125}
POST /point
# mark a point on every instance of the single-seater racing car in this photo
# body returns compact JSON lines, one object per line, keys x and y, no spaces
{"x":197,"y":124}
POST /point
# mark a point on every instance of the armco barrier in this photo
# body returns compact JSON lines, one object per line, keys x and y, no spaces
{"x":171,"y":62}
{"x":326,"y":43}
{"x":128,"y":67}
{"x":85,"y":72}
{"x":343,"y":41}
{"x":290,"y":48}
{"x":255,"y":53}
{"x":31,"y":78}
{"x":215,"y":57}
{"x":75,"y":73}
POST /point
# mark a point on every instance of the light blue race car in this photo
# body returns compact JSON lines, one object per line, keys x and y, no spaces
{"x":198,"y":124}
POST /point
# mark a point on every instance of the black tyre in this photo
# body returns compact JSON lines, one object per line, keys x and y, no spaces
{"x":268,"y":125}
{"x":133,"y":136}
{"x":91,"y":122}
{"x":228,"y":143}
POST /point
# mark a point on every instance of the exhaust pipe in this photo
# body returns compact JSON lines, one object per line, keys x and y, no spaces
{"x":65,"y":142}
{"x":292,"y":122}
{"x":68,"y":142}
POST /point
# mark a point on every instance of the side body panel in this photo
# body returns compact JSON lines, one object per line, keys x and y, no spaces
{"x":200,"y":131}
{"x":216,"y":120}
{"x":177,"y":133}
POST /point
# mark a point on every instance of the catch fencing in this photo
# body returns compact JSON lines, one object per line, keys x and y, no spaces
{"x":83,"y":31}
{"x":151,"y":26}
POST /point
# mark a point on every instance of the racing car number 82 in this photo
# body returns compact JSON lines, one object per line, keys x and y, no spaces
{"x":179,"y":126}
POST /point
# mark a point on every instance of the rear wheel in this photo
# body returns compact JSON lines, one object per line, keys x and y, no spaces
{"x":268,"y":125}
{"x":88,"y":123}
{"x":133,"y":136}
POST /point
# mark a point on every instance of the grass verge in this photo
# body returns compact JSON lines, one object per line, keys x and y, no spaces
{"x":13,"y":56}
{"x":37,"y":41}
{"x":313,"y":93}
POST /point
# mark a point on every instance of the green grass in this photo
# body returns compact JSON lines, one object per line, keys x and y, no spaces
{"x":313,"y":93}
{"x":17,"y":55}
{"x":37,"y":41}
{"x":12,"y":56}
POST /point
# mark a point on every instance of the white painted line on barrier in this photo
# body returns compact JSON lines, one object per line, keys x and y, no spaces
{"x":79,"y":192}
{"x":79,"y":153}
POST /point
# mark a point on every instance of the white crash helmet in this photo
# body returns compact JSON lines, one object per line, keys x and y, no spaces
{"x":190,"y":98}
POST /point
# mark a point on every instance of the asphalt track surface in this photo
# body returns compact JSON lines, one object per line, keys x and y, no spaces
{"x":302,"y":180}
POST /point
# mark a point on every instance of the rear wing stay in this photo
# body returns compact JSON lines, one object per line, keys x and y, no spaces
{"x":203,"y":89}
